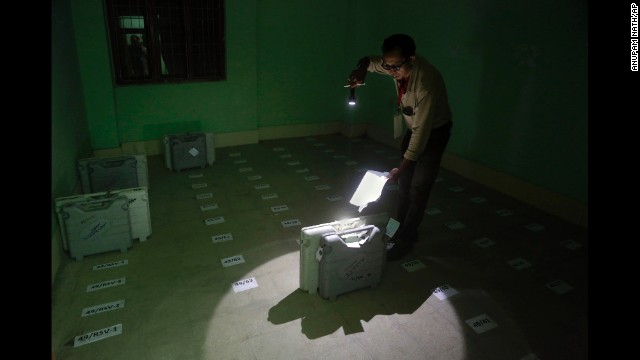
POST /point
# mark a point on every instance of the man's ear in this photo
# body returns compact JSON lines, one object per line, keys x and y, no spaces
{"x":412,"y":58}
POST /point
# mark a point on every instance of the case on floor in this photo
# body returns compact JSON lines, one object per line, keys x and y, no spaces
{"x":139,"y":214}
{"x":115,"y":172}
{"x":350,"y":260}
{"x":310,"y":242}
{"x":97,"y":225}
{"x":190,"y":150}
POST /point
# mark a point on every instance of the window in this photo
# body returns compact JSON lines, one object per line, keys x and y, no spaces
{"x":157,"y":41}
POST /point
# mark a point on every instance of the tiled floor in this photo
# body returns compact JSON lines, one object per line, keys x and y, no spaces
{"x":177,"y":300}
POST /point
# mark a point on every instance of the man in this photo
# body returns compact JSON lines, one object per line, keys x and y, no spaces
{"x":423,"y":103}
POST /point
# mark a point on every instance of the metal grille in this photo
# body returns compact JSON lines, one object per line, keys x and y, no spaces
{"x":167,"y":40}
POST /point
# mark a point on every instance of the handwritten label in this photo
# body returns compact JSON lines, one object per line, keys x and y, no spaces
{"x":199,"y":186}
{"x":303,"y":170}
{"x":535,"y":227}
{"x":111,"y":265}
{"x":102,"y":308}
{"x":245,"y":169}
{"x":290,"y":223}
{"x":570,"y":244}
{"x":245,"y":284}
{"x":333,"y":198}
{"x":232,"y":260}
{"x":279,"y":208}
{"x":261,"y":186}
{"x":484,"y":242}
{"x":277,"y":149}
{"x":286,"y":156}
{"x":481,"y":323}
{"x":519,"y":263}
{"x":214,"y":220}
{"x":235,"y":154}
{"x":349,"y":163}
{"x":208,"y":207}
{"x":254,"y":177}
{"x":106,"y":284}
{"x":456,"y":189}
{"x":478,"y":200}
{"x":97,"y":335}
{"x":322,"y":187}
{"x":195,"y":176}
{"x":559,"y":287}
{"x":444,"y":291}
{"x":242,"y":161}
{"x":455,"y":225}
{"x":269,"y":196}
{"x":504,"y":212}
{"x":311,"y":178}
{"x":433,"y":211}
{"x":221,"y":238}
{"x":204,"y":196}
{"x":413,"y":265}
{"x":293,"y":163}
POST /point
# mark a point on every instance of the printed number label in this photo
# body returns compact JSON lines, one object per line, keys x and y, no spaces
{"x":208,"y":207}
{"x":300,"y":171}
{"x":278,"y":149}
{"x":334,"y":198}
{"x":339,"y":156}
{"x":195,"y":176}
{"x":413,"y":265}
{"x":111,"y":265}
{"x":519,"y":263}
{"x":204,"y":196}
{"x":293,"y":163}
{"x":318,"y":144}
{"x":444,"y":291}
{"x":484,"y":242}
{"x":214,"y":220}
{"x":102,"y":308}
{"x":481,"y":323}
{"x":269,"y":196}
{"x":455,"y":225}
{"x":243,"y":161}
{"x":96,"y":335}
{"x":261,"y":186}
{"x":279,"y":208}
{"x":285,"y":156}
{"x":106,"y":284}
{"x":289,"y":223}
{"x":456,"y":188}
{"x":221,"y":238}
{"x":329,"y":150}
{"x":478,"y":199}
{"x":233,"y":260}
{"x":199,"y":186}
{"x":254,"y":177}
{"x":245,"y":169}
{"x":311,"y":178}
{"x":245,"y":284}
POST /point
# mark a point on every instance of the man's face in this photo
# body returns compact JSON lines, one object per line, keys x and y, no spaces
{"x":395,"y":64}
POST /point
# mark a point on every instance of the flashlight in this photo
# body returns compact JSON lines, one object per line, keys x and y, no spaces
{"x":352,"y":97}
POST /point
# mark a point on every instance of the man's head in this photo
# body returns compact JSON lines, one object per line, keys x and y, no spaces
{"x":398,"y":54}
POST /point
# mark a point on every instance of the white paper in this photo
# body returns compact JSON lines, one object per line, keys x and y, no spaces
{"x":245,"y":284}
{"x":413,"y":265}
{"x":97,"y":335}
{"x":370,"y":188}
{"x":481,"y":323}
{"x":445,"y":291}
{"x":232,"y":260}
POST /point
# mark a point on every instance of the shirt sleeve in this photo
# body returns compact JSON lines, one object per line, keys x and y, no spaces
{"x":375,"y":65}
{"x":422,"y":123}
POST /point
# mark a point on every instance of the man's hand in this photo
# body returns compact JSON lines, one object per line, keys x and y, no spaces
{"x":395,"y":173}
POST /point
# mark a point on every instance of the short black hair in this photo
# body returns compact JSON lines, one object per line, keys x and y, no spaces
{"x":403,"y":42}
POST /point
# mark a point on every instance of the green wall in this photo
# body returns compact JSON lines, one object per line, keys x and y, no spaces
{"x":516,"y":72}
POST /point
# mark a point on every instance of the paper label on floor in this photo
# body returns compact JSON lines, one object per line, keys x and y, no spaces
{"x":245,"y":284}
{"x":195,"y":176}
{"x":279,"y":208}
{"x":478,"y":199}
{"x":349,"y":163}
{"x":433,"y":211}
{"x":98,"y":309}
{"x":570,"y":244}
{"x":97,"y":335}
{"x":303,"y":170}
{"x":455,"y":225}
{"x":484,"y":242}
{"x":208,"y":207}
{"x":214,"y":220}
{"x":413,"y":265}
{"x":311,"y":178}
{"x":318,"y":144}
{"x":235,"y":154}
{"x":504,"y":212}
{"x":392,"y":227}
{"x":333,"y":198}
{"x":481,"y":323}
{"x":559,"y":287}
{"x":285,"y":156}
{"x":456,"y":189}
{"x":276,"y":149}
{"x":290,"y":223}
{"x":204,"y":196}
{"x":254,"y":177}
{"x":243,"y":161}
{"x":445,"y":291}
{"x":519,"y":263}
{"x":535,"y":227}
{"x":106,"y":284}
{"x":245,"y":169}
{"x":322,"y":187}
{"x":269,"y":196}
{"x":339,"y":156}
{"x":199,"y":186}
{"x":232,"y":260}
{"x":221,"y":237}
{"x":111,"y":265}
{"x":261,"y":186}
{"x":293,"y":163}
{"x":329,"y":150}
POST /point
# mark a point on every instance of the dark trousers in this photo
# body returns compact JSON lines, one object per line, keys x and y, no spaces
{"x":416,"y":183}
